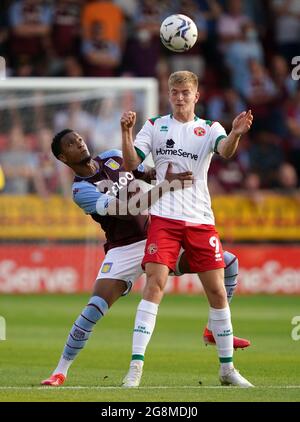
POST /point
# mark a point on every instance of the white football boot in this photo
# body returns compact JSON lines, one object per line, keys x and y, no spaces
{"x":134,"y":375}
{"x":233,"y":377}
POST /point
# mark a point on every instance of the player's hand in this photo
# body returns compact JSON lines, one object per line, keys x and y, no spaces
{"x":128,"y":120}
{"x":185,"y":179}
{"x":242,"y":123}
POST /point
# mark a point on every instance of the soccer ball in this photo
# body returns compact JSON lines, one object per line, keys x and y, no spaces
{"x":178,"y":33}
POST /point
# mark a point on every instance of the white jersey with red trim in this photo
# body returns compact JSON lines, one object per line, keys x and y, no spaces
{"x":189,"y":147}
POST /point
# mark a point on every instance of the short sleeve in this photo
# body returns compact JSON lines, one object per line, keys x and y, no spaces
{"x":111,"y":153}
{"x":88,"y":198}
{"x":143,"y":140}
{"x":217,"y":133}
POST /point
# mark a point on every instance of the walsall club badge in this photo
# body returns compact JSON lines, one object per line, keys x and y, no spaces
{"x":152,"y":248}
{"x":199,"y":131}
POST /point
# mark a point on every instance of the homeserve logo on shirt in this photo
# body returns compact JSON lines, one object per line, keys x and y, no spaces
{"x":178,"y":152}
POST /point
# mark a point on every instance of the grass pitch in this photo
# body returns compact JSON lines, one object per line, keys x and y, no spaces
{"x":178,"y":367}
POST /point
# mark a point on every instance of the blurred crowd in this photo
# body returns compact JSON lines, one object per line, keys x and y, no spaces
{"x":244,"y":58}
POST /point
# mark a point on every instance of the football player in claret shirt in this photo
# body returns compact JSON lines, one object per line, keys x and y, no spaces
{"x":183,"y":218}
{"x":99,"y":184}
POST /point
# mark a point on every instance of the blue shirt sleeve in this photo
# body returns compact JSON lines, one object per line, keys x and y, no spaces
{"x":111,"y":153}
{"x":141,"y":168}
{"x":88,"y":197}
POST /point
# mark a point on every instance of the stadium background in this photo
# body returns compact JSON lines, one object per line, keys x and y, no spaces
{"x":243,"y":61}
{"x":47,"y":245}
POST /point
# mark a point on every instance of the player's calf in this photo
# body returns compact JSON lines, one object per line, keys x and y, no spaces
{"x":78,"y":336}
{"x":230,"y":281}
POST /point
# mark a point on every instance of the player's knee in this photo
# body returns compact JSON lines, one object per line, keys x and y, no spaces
{"x":218,"y":292}
{"x":157,"y":282}
{"x":154,"y":287}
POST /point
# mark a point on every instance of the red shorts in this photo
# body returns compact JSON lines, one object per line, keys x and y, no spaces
{"x":201,"y":242}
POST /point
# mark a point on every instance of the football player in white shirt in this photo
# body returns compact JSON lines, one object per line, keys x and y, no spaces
{"x":183,"y":218}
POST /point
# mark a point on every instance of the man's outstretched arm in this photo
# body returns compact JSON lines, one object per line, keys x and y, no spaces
{"x":141,"y":201}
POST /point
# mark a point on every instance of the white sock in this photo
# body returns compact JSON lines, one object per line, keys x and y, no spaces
{"x":143,"y":328}
{"x":63,"y":366}
{"x":221,"y":327}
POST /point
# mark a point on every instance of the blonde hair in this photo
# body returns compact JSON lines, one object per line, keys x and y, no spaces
{"x":183,"y":77}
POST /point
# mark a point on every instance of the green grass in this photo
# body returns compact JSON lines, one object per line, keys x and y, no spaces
{"x":178,"y":367}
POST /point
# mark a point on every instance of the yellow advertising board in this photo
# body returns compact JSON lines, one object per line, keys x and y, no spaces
{"x":273,"y":217}
{"x":238,"y":218}
{"x":30,"y":217}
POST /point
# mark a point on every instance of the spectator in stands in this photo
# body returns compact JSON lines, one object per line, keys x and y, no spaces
{"x":223,"y":106}
{"x":105,"y":127}
{"x":101,"y":56}
{"x":293,"y":124}
{"x":225,"y":176}
{"x":287,"y":179}
{"x":230,"y":24}
{"x":240,"y":52}
{"x":20,"y":166}
{"x":266,"y":156}
{"x":252,"y":182}
{"x":30,"y":22}
{"x":211,"y":10}
{"x":72,"y":67}
{"x":260,"y":92}
{"x":128,"y":7}
{"x":256,"y":11}
{"x":252,"y":187}
{"x":287,"y":32}
{"x":56,"y":178}
{"x":286,"y":87}
{"x":281,"y":75}
{"x":144,"y":41}
{"x":66,"y":26}
{"x":65,"y":33}
{"x":110,"y":17}
{"x":74,"y":116}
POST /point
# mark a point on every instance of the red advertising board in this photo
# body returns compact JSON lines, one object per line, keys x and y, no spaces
{"x":54,"y":268}
{"x":73,"y":268}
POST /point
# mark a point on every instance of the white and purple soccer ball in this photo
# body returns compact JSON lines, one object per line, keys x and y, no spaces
{"x":178,"y":33}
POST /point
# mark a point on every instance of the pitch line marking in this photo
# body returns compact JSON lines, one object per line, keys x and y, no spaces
{"x":78,"y":387}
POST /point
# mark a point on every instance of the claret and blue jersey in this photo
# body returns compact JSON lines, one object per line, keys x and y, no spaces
{"x":94,"y":193}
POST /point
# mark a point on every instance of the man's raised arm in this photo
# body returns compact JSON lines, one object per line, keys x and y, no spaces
{"x":240,"y":126}
{"x":130,"y":157}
